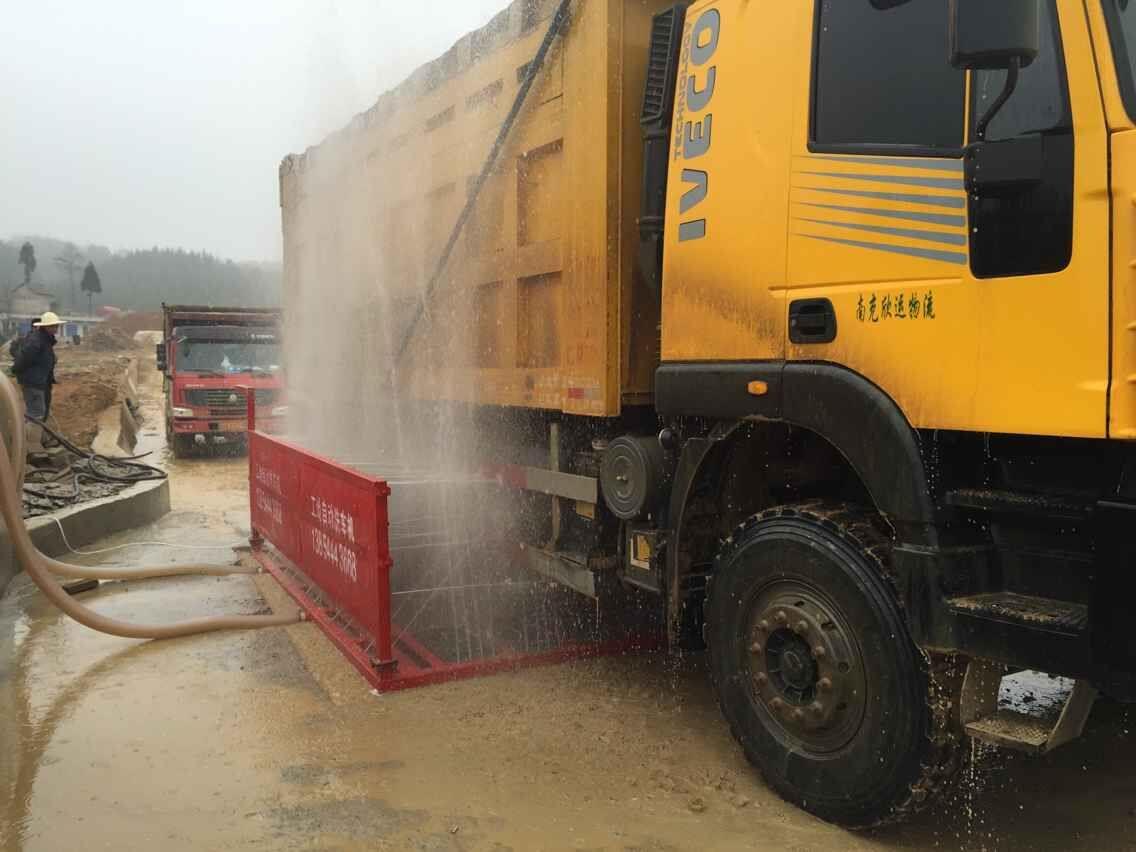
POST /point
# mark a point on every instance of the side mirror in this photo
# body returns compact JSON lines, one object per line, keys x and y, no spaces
{"x":161,"y":351}
{"x":994,"y":34}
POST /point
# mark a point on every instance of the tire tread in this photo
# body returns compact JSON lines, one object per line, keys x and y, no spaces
{"x":864,"y":529}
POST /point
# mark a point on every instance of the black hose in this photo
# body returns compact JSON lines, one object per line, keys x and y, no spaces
{"x":88,"y":468}
{"x":121,"y":471}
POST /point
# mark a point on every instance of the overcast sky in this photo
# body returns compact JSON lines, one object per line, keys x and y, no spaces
{"x":135,"y":123}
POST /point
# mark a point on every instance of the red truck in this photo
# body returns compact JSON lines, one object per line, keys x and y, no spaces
{"x":209,"y":356}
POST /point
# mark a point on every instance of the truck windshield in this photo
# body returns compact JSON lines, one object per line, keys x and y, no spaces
{"x":230,"y":356}
{"x":1121,"y":15}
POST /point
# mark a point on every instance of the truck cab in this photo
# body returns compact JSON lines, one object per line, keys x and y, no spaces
{"x":897,"y":268}
{"x":212,"y":358}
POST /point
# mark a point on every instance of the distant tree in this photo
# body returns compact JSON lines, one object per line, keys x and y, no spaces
{"x":141,"y":280}
{"x":91,"y":285}
{"x":71,"y":262}
{"x":28,"y":261}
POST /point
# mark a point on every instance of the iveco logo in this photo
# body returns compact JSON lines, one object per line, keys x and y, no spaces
{"x":234,"y":399}
{"x":693,"y":136}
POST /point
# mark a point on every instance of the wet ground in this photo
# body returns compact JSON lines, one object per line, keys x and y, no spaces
{"x":270,"y":740}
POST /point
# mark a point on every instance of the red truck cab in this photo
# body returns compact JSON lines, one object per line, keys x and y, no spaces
{"x":210,"y":357}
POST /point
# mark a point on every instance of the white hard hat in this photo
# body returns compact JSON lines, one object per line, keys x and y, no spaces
{"x":48,"y":320}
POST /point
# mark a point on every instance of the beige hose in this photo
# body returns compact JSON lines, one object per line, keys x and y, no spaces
{"x":36,"y":565}
{"x":96,"y":572}
{"x":13,"y":407}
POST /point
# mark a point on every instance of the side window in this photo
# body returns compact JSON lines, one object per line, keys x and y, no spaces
{"x":1040,"y":102}
{"x":1021,"y":205}
{"x":883,"y":78}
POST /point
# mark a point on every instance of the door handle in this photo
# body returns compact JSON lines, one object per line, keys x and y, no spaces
{"x":812,"y":321}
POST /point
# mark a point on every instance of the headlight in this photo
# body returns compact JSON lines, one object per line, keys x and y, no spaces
{"x":280,"y":411}
{"x":183,"y":412}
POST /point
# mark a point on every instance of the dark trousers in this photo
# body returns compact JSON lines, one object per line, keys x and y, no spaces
{"x":37,"y":401}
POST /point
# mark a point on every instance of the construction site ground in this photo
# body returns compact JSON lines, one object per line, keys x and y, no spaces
{"x":90,"y":381}
{"x":271,"y":740}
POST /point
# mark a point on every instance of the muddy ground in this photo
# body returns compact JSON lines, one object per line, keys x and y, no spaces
{"x":270,"y":740}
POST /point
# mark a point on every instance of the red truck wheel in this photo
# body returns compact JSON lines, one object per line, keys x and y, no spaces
{"x":181,"y":445}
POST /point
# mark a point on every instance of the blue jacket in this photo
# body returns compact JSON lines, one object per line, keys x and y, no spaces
{"x":35,"y":362}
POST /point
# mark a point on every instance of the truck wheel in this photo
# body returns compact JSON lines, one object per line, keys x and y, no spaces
{"x":181,"y":445}
{"x":816,"y":672}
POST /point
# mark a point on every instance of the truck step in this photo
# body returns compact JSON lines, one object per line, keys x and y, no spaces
{"x":1019,"y":503}
{"x":1011,"y":729}
{"x":1045,"y":614}
{"x":987,"y":719}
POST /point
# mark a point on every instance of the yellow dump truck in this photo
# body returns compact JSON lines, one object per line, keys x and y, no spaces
{"x":818,"y":319}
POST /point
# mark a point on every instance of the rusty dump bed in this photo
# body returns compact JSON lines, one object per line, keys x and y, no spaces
{"x":539,"y":306}
{"x":183,"y":316}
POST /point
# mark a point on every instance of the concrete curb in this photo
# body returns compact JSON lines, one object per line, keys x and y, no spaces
{"x":137,"y":506}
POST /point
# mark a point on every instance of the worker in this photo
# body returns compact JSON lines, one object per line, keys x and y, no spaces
{"x":35,"y":365}
{"x":34,"y":368}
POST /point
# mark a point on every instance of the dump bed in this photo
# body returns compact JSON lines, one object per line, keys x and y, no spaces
{"x":184,"y":316}
{"x":540,"y":305}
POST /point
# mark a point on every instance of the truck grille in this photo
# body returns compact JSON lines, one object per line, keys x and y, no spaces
{"x":225,"y":402}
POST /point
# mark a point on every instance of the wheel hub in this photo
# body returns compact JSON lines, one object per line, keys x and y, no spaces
{"x":791,"y":664}
{"x":805,"y":666}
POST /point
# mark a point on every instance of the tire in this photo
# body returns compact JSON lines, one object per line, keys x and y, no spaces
{"x":181,"y":446}
{"x":817,"y":674}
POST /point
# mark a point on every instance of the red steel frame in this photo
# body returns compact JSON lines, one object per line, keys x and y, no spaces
{"x":329,"y":529}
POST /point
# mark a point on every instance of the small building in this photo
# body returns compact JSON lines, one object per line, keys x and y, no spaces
{"x":29,"y":302}
{"x":73,"y":331}
{"x":26,"y":305}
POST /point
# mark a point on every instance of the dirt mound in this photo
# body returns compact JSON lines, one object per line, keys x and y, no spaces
{"x":88,"y":384}
{"x":109,"y":339}
{"x":82,"y":394}
{"x":135,"y":322}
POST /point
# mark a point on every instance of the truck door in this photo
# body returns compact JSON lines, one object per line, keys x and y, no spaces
{"x":970,"y":308}
{"x":877,"y":220}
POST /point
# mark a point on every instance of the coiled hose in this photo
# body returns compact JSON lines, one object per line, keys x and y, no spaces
{"x":42,"y":569}
{"x":12,"y":405}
